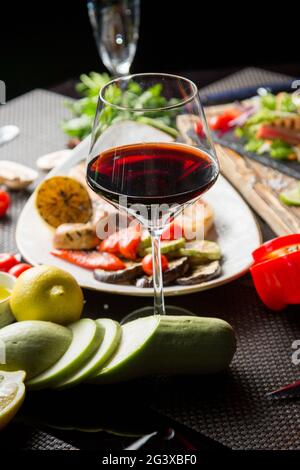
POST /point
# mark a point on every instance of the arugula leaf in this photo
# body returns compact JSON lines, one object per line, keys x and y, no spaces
{"x":254,"y":145}
{"x":280,"y":149}
{"x":286,"y":103}
{"x":78,"y":127}
{"x":84,"y":109}
{"x":268,"y":101}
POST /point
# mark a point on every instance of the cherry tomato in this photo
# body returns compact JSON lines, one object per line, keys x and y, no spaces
{"x":7,"y":261}
{"x":110,"y":244}
{"x":148,"y":267}
{"x":18,"y":269}
{"x":172,"y":232}
{"x":129,"y":241}
{"x":4,"y":202}
{"x":222,"y":121}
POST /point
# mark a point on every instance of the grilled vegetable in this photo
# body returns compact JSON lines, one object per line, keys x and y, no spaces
{"x":61,"y":200}
{"x":130,"y":272}
{"x":90,"y":259}
{"x":176,"y":269}
{"x":148,"y":266}
{"x":110,"y":244}
{"x":166,"y":247}
{"x":75,"y":237}
{"x":129,"y":240}
{"x":201,"y":273}
{"x":201,"y":251}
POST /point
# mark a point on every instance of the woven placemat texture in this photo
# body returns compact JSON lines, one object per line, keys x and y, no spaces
{"x":37,"y":114}
{"x":231,"y":408}
{"x":248,"y":77}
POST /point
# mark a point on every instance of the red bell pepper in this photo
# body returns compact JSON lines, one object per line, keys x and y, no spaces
{"x":129,"y":240}
{"x":90,"y":259}
{"x":173,"y":231}
{"x":110,"y":244}
{"x":276,"y":271}
{"x":222,"y":122}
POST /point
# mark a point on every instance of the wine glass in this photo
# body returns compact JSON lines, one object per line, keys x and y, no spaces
{"x":115,"y":25}
{"x":141,"y":159}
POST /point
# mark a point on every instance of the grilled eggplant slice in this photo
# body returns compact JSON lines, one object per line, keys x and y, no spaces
{"x":201,"y":273}
{"x":177,"y":268}
{"x":123,"y":276}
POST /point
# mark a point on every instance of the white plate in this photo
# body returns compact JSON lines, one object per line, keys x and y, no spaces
{"x":237,"y":234}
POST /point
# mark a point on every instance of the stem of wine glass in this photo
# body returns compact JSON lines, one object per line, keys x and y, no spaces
{"x":159,"y":304}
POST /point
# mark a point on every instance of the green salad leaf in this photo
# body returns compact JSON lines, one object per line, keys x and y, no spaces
{"x":268,"y":101}
{"x":84,"y":109}
{"x":280,"y":149}
{"x":286,"y":103}
{"x":272,"y":107}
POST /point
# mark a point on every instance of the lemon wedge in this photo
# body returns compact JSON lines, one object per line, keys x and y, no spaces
{"x":12,"y":393}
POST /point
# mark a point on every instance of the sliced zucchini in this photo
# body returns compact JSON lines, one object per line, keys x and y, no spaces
{"x":201,"y":251}
{"x":166,"y":247}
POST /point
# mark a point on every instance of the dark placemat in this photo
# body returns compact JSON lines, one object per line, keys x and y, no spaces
{"x":245,"y":78}
{"x":37,"y":114}
{"x":231,"y":408}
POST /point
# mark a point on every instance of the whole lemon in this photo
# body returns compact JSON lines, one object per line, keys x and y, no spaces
{"x":47,"y":293}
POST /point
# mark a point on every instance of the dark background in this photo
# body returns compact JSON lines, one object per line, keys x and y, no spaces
{"x":45,"y":43}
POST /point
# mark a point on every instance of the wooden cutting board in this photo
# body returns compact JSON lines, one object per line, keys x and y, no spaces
{"x":258,"y":184}
{"x":260,"y":187}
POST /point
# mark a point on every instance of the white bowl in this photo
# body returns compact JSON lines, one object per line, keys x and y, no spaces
{"x":6,"y":317}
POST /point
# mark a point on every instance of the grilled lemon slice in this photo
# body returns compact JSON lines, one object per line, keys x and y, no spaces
{"x":60,"y":200}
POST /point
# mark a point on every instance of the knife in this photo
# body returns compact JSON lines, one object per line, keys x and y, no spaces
{"x":8,"y":133}
{"x":239,"y":94}
{"x":291,"y":390}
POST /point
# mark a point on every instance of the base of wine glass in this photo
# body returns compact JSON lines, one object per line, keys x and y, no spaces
{"x":147,"y":311}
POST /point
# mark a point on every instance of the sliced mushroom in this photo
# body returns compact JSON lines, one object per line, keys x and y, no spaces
{"x":123,"y":276}
{"x":51,"y":160}
{"x":16,"y":176}
{"x":201,"y":273}
{"x":177,"y":268}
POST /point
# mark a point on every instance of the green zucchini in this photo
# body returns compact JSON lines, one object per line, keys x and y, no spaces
{"x":167,"y":247}
{"x":170,"y":345}
{"x":201,"y":251}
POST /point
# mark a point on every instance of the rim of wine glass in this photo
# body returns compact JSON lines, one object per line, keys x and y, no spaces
{"x":190,"y":98}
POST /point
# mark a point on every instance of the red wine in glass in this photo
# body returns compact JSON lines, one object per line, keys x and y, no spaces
{"x":152,"y":173}
{"x":133,"y":164}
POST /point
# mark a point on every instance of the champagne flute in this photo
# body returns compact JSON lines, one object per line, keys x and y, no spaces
{"x":137,"y":160}
{"x":115,"y":25}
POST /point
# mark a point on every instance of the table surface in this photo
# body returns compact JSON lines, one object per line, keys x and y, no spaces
{"x":231,"y":409}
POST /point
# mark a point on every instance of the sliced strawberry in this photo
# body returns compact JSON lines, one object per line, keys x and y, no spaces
{"x":90,"y":259}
